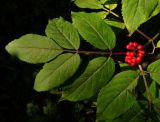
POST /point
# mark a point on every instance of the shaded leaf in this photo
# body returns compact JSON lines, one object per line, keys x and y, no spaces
{"x":135,"y":114}
{"x":136,"y":12}
{"x":56,"y":72}
{"x":94,"y":30}
{"x":34,"y":48}
{"x":116,"y":97}
{"x":98,"y":72}
{"x":154,"y":70}
{"x":92,"y":4}
{"x":63,"y":33}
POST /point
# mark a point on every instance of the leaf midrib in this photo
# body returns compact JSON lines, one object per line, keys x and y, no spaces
{"x":59,"y":30}
{"x":84,"y":82}
{"x":124,"y":90}
{"x":103,"y":40}
{"x":50,"y":74}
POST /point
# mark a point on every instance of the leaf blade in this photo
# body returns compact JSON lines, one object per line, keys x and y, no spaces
{"x":98,"y":72}
{"x":56,"y":72}
{"x":110,"y":106}
{"x":63,"y":33}
{"x":154,"y":70}
{"x":34,"y":48}
{"x":137,"y":12}
{"x":92,"y":4}
{"x":94,"y":30}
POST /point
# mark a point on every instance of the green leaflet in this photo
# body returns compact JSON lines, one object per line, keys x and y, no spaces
{"x":94,"y":30}
{"x":63,"y":33}
{"x":136,"y":12}
{"x":116,"y":97}
{"x":98,"y":72}
{"x":56,"y":72}
{"x":34,"y":48}
{"x":154,"y":70}
{"x":92,"y":4}
{"x":135,"y":114}
{"x":158,"y":44}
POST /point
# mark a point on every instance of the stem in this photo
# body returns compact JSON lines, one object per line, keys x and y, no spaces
{"x":149,"y":95}
{"x":151,"y":40}
{"x":111,"y":12}
{"x":94,"y":52}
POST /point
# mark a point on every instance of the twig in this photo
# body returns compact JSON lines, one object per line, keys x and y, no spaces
{"x":149,"y":95}
{"x":94,"y":52}
{"x":150,"y":40}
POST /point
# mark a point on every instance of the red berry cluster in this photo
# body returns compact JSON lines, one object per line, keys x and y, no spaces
{"x":135,"y":55}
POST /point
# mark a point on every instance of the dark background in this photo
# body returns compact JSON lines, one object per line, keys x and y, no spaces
{"x":19,"y":17}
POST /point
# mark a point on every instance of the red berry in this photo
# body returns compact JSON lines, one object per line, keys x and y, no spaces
{"x":135,"y":44}
{"x":132,"y":64}
{"x":127,"y":53}
{"x":131,"y":54}
{"x":131,"y":44}
{"x":138,"y":60}
{"x":141,"y":51}
{"x":128,"y":47}
{"x":140,"y":47}
{"x":134,"y":60}
{"x":140,"y":55}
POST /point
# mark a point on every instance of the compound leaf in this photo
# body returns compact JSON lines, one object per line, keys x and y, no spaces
{"x":56,"y":72}
{"x":34,"y":48}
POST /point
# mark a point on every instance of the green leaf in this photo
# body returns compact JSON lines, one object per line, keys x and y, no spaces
{"x":154,"y":70}
{"x":158,"y":44}
{"x":56,"y":72}
{"x":116,"y":97}
{"x":98,"y":72}
{"x":63,"y":33}
{"x":34,"y":48}
{"x":135,"y":114}
{"x":115,"y":24}
{"x":101,"y":14}
{"x":111,"y":6}
{"x":92,"y":4}
{"x":109,"y":1}
{"x":156,"y":11}
{"x":136,"y":12}
{"x":94,"y":30}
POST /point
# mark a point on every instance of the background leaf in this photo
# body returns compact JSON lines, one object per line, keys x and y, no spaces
{"x":94,"y":30}
{"x":154,"y":70}
{"x":92,"y":4}
{"x":57,"y":72}
{"x":63,"y":33}
{"x":137,"y":12}
{"x":116,"y":97}
{"x":34,"y":48}
{"x":97,"y":74}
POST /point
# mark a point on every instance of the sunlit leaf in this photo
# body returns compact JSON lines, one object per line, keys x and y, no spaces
{"x":56,"y":72}
{"x":64,"y":33}
{"x":34,"y":48}
{"x":94,"y":30}
{"x":136,"y":12}
{"x":92,"y":4}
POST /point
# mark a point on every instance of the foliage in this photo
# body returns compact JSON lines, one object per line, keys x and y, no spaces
{"x":96,"y":79}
